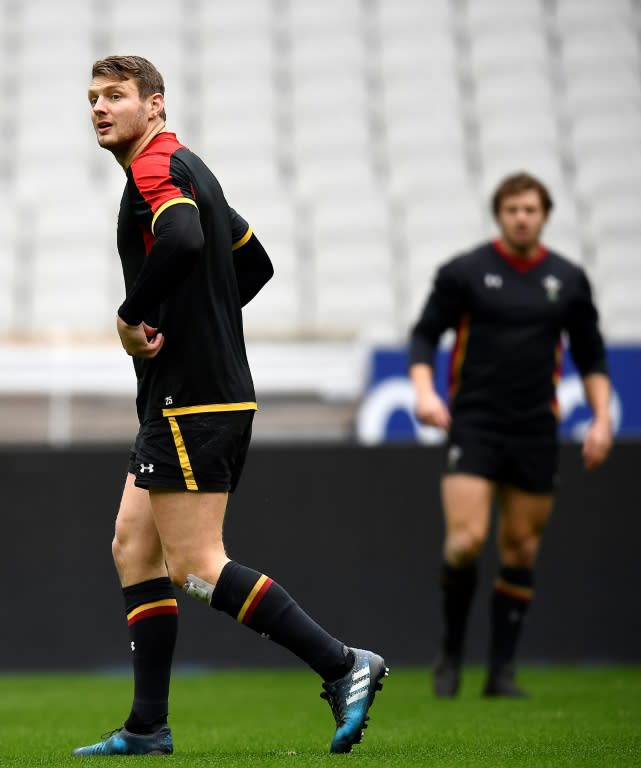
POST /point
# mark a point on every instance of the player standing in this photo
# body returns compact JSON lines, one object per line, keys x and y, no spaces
{"x":189,"y":263}
{"x":509,"y":301}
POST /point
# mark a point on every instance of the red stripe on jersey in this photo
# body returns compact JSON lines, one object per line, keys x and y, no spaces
{"x":556,"y":378}
{"x":458,"y":355}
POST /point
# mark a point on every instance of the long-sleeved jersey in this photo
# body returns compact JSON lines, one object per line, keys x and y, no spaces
{"x":178,"y":239}
{"x":509,"y":316}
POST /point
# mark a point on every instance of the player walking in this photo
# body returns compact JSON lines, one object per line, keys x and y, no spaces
{"x":190,"y":262}
{"x":509,"y":301}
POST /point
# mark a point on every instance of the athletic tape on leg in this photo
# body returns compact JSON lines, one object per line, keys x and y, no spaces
{"x":198,"y":588}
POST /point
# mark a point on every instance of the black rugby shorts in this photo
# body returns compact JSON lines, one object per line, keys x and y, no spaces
{"x":530,"y":463}
{"x":194,"y":451}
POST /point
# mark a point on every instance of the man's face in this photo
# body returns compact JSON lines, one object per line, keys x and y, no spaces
{"x":119,"y":116}
{"x":521,"y":219}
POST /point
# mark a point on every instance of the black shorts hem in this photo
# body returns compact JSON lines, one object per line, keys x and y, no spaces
{"x":173,"y":484}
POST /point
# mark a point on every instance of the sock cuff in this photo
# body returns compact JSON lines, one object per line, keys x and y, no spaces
{"x":155,"y":595}
{"x":515,"y":582}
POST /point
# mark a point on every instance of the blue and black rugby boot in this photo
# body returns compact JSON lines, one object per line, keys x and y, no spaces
{"x":351,"y":697}
{"x":122,"y":742}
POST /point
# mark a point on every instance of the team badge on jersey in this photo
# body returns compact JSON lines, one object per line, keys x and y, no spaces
{"x":552,"y":287}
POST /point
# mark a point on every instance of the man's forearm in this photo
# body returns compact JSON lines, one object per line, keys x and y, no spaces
{"x":597,"y":392}
{"x":422,"y":377}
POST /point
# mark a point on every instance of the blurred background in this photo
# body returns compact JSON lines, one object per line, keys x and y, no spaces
{"x":361,"y":139}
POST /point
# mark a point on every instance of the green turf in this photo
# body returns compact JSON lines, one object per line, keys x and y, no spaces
{"x":575,"y":717}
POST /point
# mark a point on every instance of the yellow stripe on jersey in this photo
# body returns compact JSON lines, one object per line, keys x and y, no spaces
{"x":213,"y":408}
{"x":243,"y":239}
{"x":168,"y":204}
{"x":183,"y":458}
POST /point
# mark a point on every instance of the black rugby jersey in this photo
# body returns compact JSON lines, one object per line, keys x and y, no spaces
{"x":202,"y":365}
{"x":509,"y":316}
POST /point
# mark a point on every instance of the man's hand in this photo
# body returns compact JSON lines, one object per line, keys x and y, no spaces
{"x":134,"y":339}
{"x":431,"y":410}
{"x":597,"y":444}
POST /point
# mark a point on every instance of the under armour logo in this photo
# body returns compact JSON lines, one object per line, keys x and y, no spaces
{"x":493,"y":281}
{"x":146,"y":468}
{"x":133,"y":645}
{"x":169,"y":400}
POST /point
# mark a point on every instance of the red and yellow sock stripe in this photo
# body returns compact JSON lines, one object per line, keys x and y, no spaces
{"x":156,"y":608}
{"x":525,"y":594}
{"x":254,"y":598}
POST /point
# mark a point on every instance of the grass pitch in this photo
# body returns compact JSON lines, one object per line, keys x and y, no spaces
{"x":575,"y":717}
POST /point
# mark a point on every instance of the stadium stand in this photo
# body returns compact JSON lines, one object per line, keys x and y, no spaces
{"x":360,"y":137}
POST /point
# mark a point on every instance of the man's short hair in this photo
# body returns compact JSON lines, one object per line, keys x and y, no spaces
{"x":148,"y":79}
{"x":517,"y":183}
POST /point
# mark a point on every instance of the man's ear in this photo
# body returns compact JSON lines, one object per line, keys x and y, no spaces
{"x":156,"y":105}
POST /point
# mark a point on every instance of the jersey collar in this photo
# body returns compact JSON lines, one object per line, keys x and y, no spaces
{"x":521,"y":265}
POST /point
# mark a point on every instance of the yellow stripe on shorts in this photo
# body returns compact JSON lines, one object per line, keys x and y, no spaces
{"x":185,"y":464}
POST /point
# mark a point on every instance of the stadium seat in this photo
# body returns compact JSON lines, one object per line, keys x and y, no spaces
{"x":329,"y":16}
{"x":236,"y":20}
{"x":495,"y":51}
{"x":526,"y":93}
{"x":505,"y":14}
{"x":609,"y":169}
{"x":572,"y":14}
{"x":614,"y":215}
{"x":599,"y":130}
{"x":599,"y":47}
{"x":607,"y":89}
{"x":414,"y":16}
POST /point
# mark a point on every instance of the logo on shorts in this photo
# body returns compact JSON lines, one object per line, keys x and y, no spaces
{"x":169,"y":400}
{"x":453,"y":455}
{"x":146,"y":468}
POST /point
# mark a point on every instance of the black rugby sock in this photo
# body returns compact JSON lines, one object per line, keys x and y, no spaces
{"x":152,"y":616}
{"x":511,"y":598}
{"x":458,"y":586}
{"x":259,"y":602}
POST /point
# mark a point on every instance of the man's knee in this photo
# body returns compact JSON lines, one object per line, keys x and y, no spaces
{"x":119,"y":552}
{"x":182,"y":568}
{"x":135,"y":552}
{"x":520,"y":552}
{"x":463,"y":547}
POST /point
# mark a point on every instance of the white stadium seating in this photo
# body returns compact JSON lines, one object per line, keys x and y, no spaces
{"x":362,"y":140}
